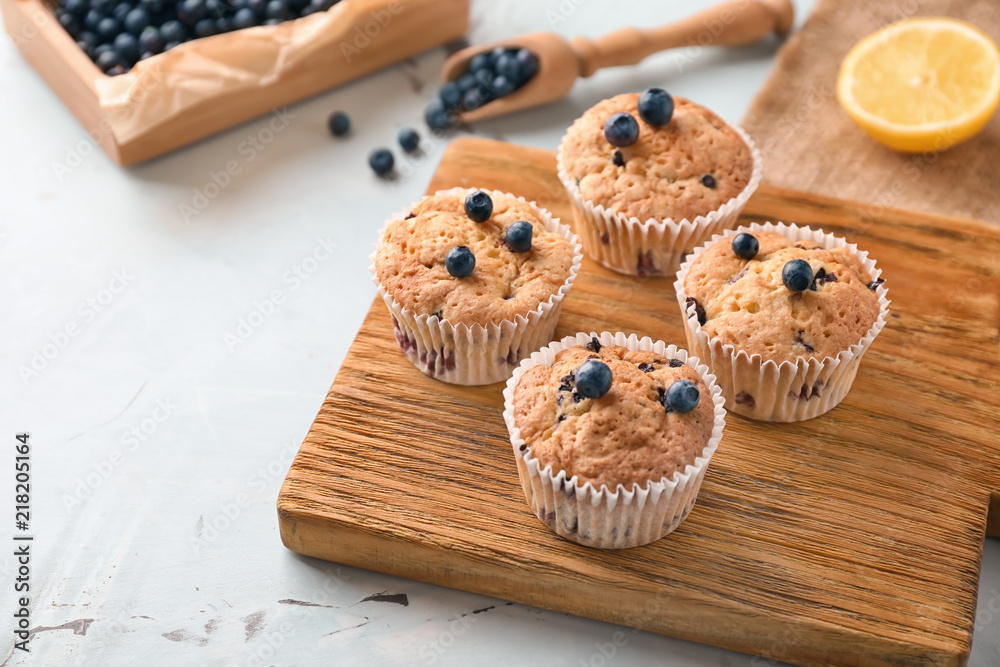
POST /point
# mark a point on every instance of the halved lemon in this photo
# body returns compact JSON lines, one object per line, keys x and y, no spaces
{"x":921,"y":84}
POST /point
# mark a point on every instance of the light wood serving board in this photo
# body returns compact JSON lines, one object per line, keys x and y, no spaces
{"x":852,"y":539}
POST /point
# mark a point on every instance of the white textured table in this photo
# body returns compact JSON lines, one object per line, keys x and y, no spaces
{"x":201,"y":348}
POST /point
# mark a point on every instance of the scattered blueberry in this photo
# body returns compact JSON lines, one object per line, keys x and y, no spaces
{"x":593,"y":379}
{"x":519,"y":236}
{"x":708,"y":181}
{"x":408,"y":139}
{"x":479,"y":206}
{"x":339,"y":124}
{"x":621,"y":130}
{"x":460,"y":261}
{"x":797,"y":275}
{"x":682,"y":396}
{"x":656,"y":106}
{"x":437,"y":117}
{"x":381,"y":161}
{"x":746,"y":246}
{"x":451,"y":95}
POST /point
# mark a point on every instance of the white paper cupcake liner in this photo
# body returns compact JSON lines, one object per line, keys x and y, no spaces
{"x":458,"y":353}
{"x":789,"y":391}
{"x":652,"y":247}
{"x":605,"y":518}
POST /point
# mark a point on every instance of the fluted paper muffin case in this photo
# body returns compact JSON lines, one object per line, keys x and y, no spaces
{"x":465,"y":354}
{"x":601,"y":517}
{"x":654,"y":246}
{"x":788,"y":391}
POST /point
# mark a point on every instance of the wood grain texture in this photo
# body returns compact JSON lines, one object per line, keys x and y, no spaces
{"x":415,"y":25}
{"x":851,"y":539}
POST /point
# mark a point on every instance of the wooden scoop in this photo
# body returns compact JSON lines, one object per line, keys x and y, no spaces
{"x":733,"y":23}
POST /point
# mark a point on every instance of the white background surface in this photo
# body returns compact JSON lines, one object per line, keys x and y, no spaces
{"x":169,"y":553}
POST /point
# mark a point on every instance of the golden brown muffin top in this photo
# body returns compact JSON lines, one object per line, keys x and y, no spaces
{"x":663,"y":170}
{"x":747,"y":305}
{"x":624,"y":437}
{"x":410,"y":261}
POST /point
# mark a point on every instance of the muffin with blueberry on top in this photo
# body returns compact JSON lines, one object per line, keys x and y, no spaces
{"x":652,"y":176}
{"x":612,"y":436}
{"x":782,"y":315}
{"x":474,"y":281}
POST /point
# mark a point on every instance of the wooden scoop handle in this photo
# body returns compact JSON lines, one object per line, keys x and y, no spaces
{"x":733,"y":23}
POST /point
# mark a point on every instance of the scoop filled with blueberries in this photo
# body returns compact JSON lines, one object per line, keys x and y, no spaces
{"x":490,"y":76}
{"x":117,"y":34}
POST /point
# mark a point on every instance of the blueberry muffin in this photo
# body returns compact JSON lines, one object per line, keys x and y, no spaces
{"x":781,"y":299}
{"x":612,"y":436}
{"x":474,"y":281}
{"x":652,"y":176}
{"x":631,"y":434}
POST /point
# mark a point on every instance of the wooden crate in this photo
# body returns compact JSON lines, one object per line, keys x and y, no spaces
{"x":416,"y":25}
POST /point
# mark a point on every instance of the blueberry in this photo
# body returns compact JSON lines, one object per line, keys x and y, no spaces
{"x":408,"y":139}
{"x":191,"y":11}
{"x":121,"y":11}
{"x":89,"y":38}
{"x":339,"y":123}
{"x":150,"y":41}
{"x":656,"y":106}
{"x":77,"y":8}
{"x":450,"y":94}
{"x":103,"y":6}
{"x":484,"y":77}
{"x":479,"y":206}
{"x":475,"y":98}
{"x":502,"y":86}
{"x":86,"y":48}
{"x":460,"y":261}
{"x":437,"y":117}
{"x":593,"y":379}
{"x":381,"y":161}
{"x":152,"y":6}
{"x":116,"y":70}
{"x":480,"y":61}
{"x":127,"y":47}
{"x":244,"y":18}
{"x":496,"y":54}
{"x":70,"y":24}
{"x":101,"y":48}
{"x":528,"y":62}
{"x":92,"y":20}
{"x":746,"y":246}
{"x":467,"y":82}
{"x":519,"y":236}
{"x":259,"y":7}
{"x":508,"y":66}
{"x":708,"y":181}
{"x":224,"y":24}
{"x":621,"y":130}
{"x":682,"y":396}
{"x":107,"y":59}
{"x":170,"y":45}
{"x":797,"y":275}
{"x":108,"y":29}
{"x":216,"y":8}
{"x":278,"y":9}
{"x":173,"y":31}
{"x":205,"y":28}
{"x":137,"y":20}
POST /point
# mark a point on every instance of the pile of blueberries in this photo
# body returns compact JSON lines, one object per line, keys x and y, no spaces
{"x":116,"y":34}
{"x":490,"y":76}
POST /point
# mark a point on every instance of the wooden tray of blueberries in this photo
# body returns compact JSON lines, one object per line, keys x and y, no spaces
{"x":854,"y":538}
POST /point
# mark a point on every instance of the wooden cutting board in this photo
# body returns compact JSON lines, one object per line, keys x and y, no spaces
{"x":851,"y":539}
